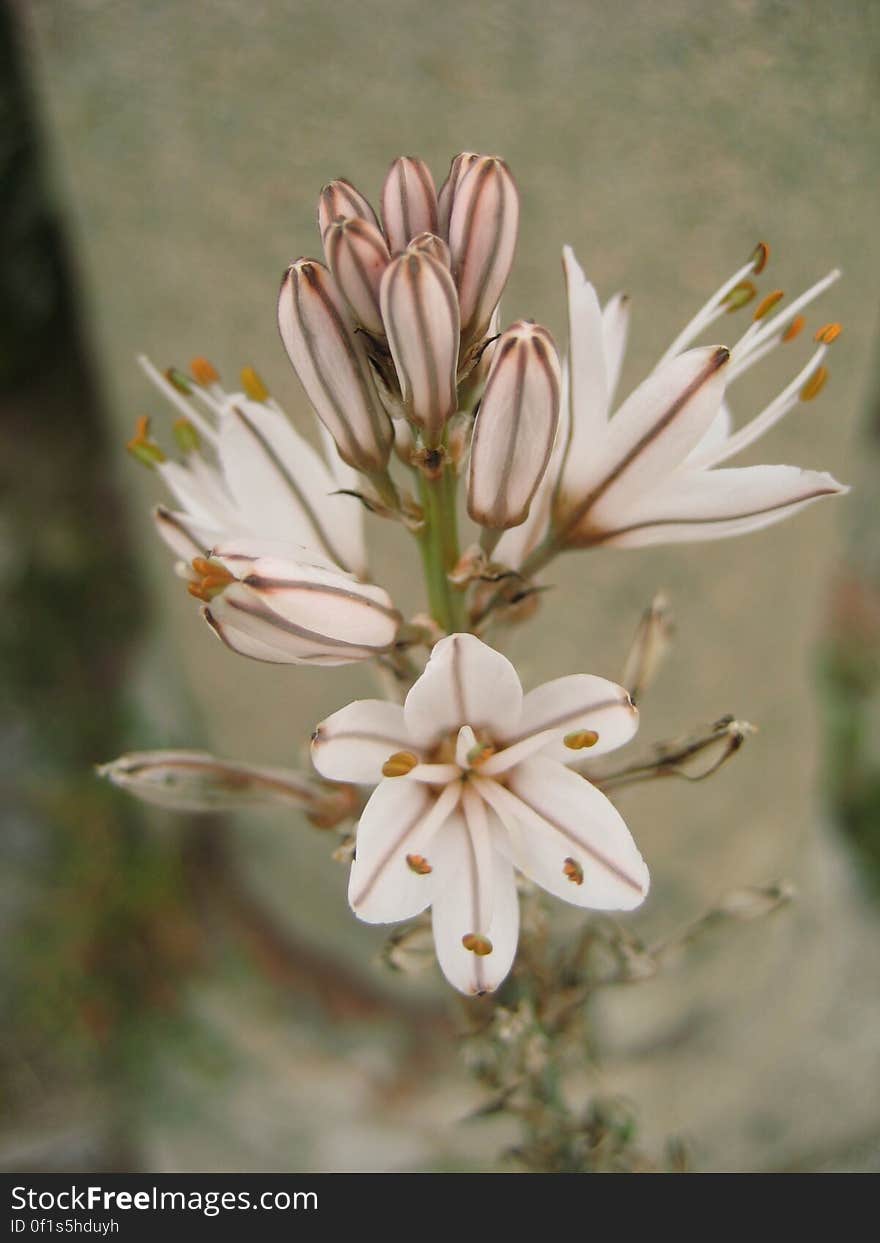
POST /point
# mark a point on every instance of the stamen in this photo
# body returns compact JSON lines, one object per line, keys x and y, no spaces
{"x":173,"y":392}
{"x":740,"y":295}
{"x":794,"y":329}
{"x":573,"y":870}
{"x":253,"y":385}
{"x":581,"y":739}
{"x":479,"y":754}
{"x":828,"y":333}
{"x":418,"y":864}
{"x":714,"y":308}
{"x":399,"y":764}
{"x":213,"y":578}
{"x":477,"y":944}
{"x":141,"y":447}
{"x":767,"y":304}
{"x":188,"y":439}
{"x":204,"y":373}
{"x":756,"y":335}
{"x":815,"y":384}
{"x":760,"y":257}
{"x":179,"y":380}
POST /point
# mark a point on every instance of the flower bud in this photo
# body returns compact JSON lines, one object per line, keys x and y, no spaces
{"x":420,"y":311}
{"x":515,"y":427}
{"x":341,"y":201}
{"x":357,"y":255}
{"x":288,"y":612}
{"x":431,"y":244}
{"x":409,"y":202}
{"x":482,"y":239}
{"x":446,"y":197}
{"x":332,"y":366}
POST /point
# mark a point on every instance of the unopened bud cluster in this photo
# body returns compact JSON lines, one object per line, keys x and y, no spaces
{"x":396,"y":332}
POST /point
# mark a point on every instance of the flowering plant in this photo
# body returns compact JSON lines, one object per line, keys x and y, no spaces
{"x":461,"y":785}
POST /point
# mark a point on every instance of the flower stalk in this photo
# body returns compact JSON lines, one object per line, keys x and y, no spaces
{"x":439,"y":546}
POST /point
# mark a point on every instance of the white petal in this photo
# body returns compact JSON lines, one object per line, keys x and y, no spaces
{"x":465,"y":682}
{"x":456,"y":896}
{"x":282,"y":486}
{"x":615,"y":330}
{"x":185,"y":537}
{"x":354,"y":743}
{"x":201,"y":492}
{"x":555,"y":819}
{"x":348,"y":516}
{"x":570,"y":704}
{"x":650,"y":435}
{"x":719,"y":431}
{"x":699,"y":505}
{"x":400,"y":819}
{"x":588,"y":385}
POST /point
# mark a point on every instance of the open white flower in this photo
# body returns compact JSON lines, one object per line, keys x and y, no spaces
{"x":471,"y":783}
{"x":247,"y":472}
{"x":648,"y":475}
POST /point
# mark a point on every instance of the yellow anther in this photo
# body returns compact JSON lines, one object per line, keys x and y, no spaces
{"x":815,"y":384}
{"x":142,"y":447}
{"x":759,"y":257}
{"x":188,"y":439}
{"x":794,"y":329}
{"x":767,"y":304}
{"x":399,"y":764}
{"x":581,"y":739}
{"x":828,"y":333}
{"x":740,"y":295}
{"x":253,"y":385}
{"x":479,"y":754}
{"x":204,"y":373}
{"x":213,"y":578}
{"x":418,"y":864}
{"x":573,"y":870}
{"x":477,"y":944}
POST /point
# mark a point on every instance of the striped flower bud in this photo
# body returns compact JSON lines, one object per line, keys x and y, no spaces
{"x":287,"y":612}
{"x":515,"y":427}
{"x":420,"y":311}
{"x":329,"y":358}
{"x":446,"y":197}
{"x":482,"y":238}
{"x":409,"y":202}
{"x":358,"y":256}
{"x":341,"y":201}
{"x":431,"y":244}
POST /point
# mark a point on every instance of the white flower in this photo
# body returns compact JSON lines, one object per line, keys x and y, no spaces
{"x":648,"y":475}
{"x":247,"y":472}
{"x":281,"y":608}
{"x":471,"y":783}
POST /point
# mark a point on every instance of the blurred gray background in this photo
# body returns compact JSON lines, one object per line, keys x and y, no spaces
{"x":179,"y":150}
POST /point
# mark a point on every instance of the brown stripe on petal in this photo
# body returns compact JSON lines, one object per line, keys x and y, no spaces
{"x":568,"y":718}
{"x":321,"y":533}
{"x":602,"y":537}
{"x":261,"y":613}
{"x":595,"y":855}
{"x":267,"y":586}
{"x":165,"y":517}
{"x":396,"y":846}
{"x":718,"y":360}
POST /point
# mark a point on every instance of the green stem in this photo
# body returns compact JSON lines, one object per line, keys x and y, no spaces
{"x":440,"y":550}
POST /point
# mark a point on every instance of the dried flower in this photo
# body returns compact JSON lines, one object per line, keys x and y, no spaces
{"x":484,"y":789}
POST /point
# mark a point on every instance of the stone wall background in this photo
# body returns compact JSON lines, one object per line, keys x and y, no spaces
{"x":187,"y":144}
